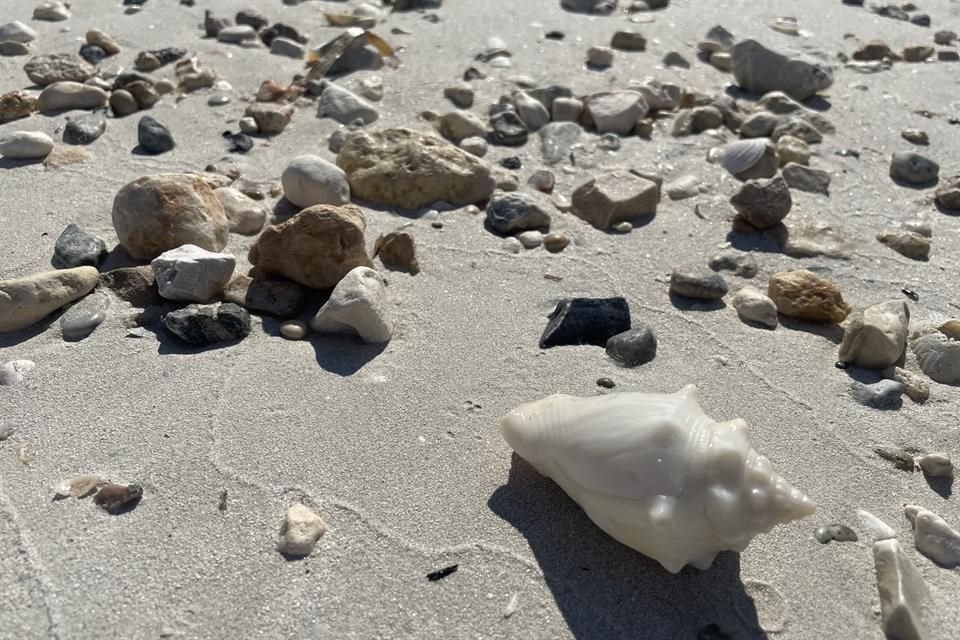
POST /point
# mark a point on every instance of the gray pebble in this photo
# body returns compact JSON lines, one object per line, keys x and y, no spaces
{"x":515,"y":211}
{"x":741,"y":263}
{"x":76,"y":248}
{"x":835,"y":532}
{"x":633,"y":347}
{"x":84,"y":129}
{"x":884,"y":394}
{"x":82,"y":318}
{"x":913,"y":168}
{"x":698,"y":284}
{"x":153,"y":136}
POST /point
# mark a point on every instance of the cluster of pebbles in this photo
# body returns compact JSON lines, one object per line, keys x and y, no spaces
{"x":177,"y":224}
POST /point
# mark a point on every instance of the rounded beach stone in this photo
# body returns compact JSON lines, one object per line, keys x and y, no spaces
{"x":26,"y":301}
{"x":702,"y":285}
{"x":84,"y":129}
{"x":516,"y":211}
{"x":763,"y":203}
{"x":204,"y":325}
{"x":634,"y":347}
{"x":358,"y":305}
{"x":913,"y":168}
{"x":310,"y":180}
{"x":246,"y":215}
{"x":122,"y":103}
{"x":876,"y":337}
{"x":753,"y":305}
{"x":25,"y":145}
{"x":293,"y":330}
{"x":156,"y":213}
{"x":154,"y":136}
{"x":82,"y":318}
{"x":61,"y":96}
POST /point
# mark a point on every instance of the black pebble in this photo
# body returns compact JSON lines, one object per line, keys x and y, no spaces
{"x":508,"y":129}
{"x":606,"y":383}
{"x":841,"y":365}
{"x":913,"y":295}
{"x":84,"y":129}
{"x":92,"y":53}
{"x":76,"y":248}
{"x":511,"y":162}
{"x":633,"y":347}
{"x":239,"y":142}
{"x":154,"y":136}
{"x":586,"y":321}
{"x":440,"y":574}
{"x":554,"y":35}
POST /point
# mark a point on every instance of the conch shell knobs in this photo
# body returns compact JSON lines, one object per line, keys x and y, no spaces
{"x":655,"y":472}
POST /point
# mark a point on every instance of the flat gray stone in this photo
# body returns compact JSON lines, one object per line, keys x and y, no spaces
{"x":633,"y":347}
{"x":760,"y":70}
{"x":701,"y":285}
{"x":884,"y":394}
{"x":86,"y":315}
{"x":76,"y":248}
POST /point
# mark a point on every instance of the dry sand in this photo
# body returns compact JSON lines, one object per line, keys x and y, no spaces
{"x":398,"y":448}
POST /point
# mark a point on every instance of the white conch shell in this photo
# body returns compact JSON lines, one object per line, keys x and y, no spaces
{"x":741,"y":155}
{"x":655,"y":472}
{"x":938,"y":352}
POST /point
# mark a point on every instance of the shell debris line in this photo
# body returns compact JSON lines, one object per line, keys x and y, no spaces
{"x":255,"y":252}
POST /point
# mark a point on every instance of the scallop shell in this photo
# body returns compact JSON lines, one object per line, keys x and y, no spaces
{"x":938,"y":353}
{"x":741,"y":155}
{"x":656,"y":473}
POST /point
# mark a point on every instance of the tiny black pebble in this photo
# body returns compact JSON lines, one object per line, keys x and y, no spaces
{"x":436,"y":224}
{"x":555,"y":35}
{"x":511,"y":162}
{"x":913,"y":295}
{"x":442,"y":573}
{"x":606,"y":383}
{"x":841,"y":365}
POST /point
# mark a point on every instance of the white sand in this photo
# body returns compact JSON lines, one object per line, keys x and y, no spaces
{"x":399,"y":449}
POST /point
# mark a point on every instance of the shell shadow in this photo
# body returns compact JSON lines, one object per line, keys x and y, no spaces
{"x":604,"y":589}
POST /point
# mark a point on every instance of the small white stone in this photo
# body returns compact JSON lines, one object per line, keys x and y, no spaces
{"x":358,"y":305}
{"x":192,"y":274}
{"x":51,"y":12}
{"x":755,"y":306}
{"x":293,"y":330}
{"x":623,"y":227}
{"x":511,"y":245}
{"x":475,"y":145}
{"x":530,"y":239}
{"x":934,"y":537}
{"x":300,"y":531}
{"x":12,"y":372}
{"x":935,"y":465}
{"x":531,"y":111}
{"x":310,"y":180}
{"x":25,"y":145}
{"x":371,"y":88}
{"x":245,"y":214}
{"x":236,"y":34}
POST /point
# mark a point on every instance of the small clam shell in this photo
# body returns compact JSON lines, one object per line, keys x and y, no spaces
{"x":939,"y":356}
{"x":741,"y":155}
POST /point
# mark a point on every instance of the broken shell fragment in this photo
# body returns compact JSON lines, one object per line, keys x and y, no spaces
{"x":938,"y":352}
{"x":934,"y":537}
{"x":656,"y":473}
{"x":116,"y":498}
{"x":78,"y":487}
{"x":877,"y":528}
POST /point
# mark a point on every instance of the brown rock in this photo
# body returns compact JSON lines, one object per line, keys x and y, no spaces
{"x":316,"y":248}
{"x":281,"y":298}
{"x":874,"y":50}
{"x":156,"y":213}
{"x":906,"y":243}
{"x":948,"y":194}
{"x":397,"y":250}
{"x":802,"y":295}
{"x":407,"y":169}
{"x":763,"y":203}
{"x":15,"y":105}
{"x":116,"y":498}
{"x":917,"y":53}
{"x":615,"y":196}
{"x":135,"y":285}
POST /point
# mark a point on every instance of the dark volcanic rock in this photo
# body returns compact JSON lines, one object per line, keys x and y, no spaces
{"x":586,"y":321}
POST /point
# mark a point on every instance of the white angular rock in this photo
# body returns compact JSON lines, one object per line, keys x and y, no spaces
{"x":16,"y":31}
{"x":934,"y":537}
{"x":358,"y":305}
{"x":755,"y":306}
{"x":300,"y":531}
{"x":616,"y":112}
{"x":192,"y":274}
{"x":25,"y":145}
{"x":246,"y":215}
{"x":877,"y":337}
{"x":12,"y":372}
{"x":310,"y":180}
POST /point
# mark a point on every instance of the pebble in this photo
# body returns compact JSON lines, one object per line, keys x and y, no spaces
{"x":542,"y":180}
{"x":237,"y":34}
{"x":153,"y":214}
{"x":567,"y":110}
{"x":82,"y":318}
{"x":154,"y":136}
{"x":316,"y":248}
{"x":802,"y":295}
{"x":293,"y":330}
{"x":15,"y":105}
{"x":752,"y":305}
{"x":722,"y":61}
{"x":476,"y":146}
{"x":397,"y":250}
{"x":835,"y":532}
{"x":84,"y":129}
{"x":52,"y":12}
{"x":16,"y":31}
{"x":903,"y":593}
{"x":371,"y":88}
{"x":913,"y":168}
{"x":633,"y":347}
{"x":884,"y":394}
{"x":461,"y":95}
{"x":555,"y":242}
{"x":76,"y":248}
{"x":122,"y":103}
{"x":935,"y":465}
{"x":245,"y":215}
{"x":557,"y":140}
{"x":792,"y":150}
{"x":118,"y":498}
{"x":25,"y":145}
{"x":300,"y":531}
{"x":742,"y":264}
{"x":628,"y":41}
{"x":191,"y":274}
{"x":674,"y":59}
{"x":344,"y":106}
{"x":533,"y":113}
{"x":943,"y":37}
{"x":508,"y":213}
{"x":277,"y":297}
{"x":876,"y":337}
{"x":61,"y":96}
{"x":599,"y":57}
{"x":692,"y":283}
{"x":287,"y":48}
{"x":11,"y":373}
{"x":357,"y":305}
{"x":14,"y":49}
{"x":615,"y":197}
{"x":105,"y":42}
{"x":511,"y":245}
{"x":578,"y":321}
{"x":916,"y":136}
{"x":948,"y":194}
{"x":508,"y":129}
{"x":802,"y":178}
{"x":459,"y":125}
{"x":596,"y":7}
{"x":917,"y":53}
{"x":934,"y":537}
{"x":606,"y":383}
{"x":759,"y":70}
{"x":906,"y":243}
{"x":205,"y":325}
{"x":280,"y":30}
{"x":253,"y":18}
{"x":763,"y":203}
{"x":144,"y":93}
{"x":530,"y":239}
{"x":616,"y":112}
{"x":310,"y":180}
{"x":58,"y":67}
{"x":218,"y":100}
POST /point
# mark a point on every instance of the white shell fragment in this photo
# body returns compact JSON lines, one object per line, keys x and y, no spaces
{"x":938,"y":352}
{"x":741,"y":155}
{"x":79,"y":487}
{"x":877,"y":528}
{"x":934,"y":537}
{"x":656,"y":473}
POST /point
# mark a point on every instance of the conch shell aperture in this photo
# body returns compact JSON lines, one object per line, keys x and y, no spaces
{"x":656,"y":473}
